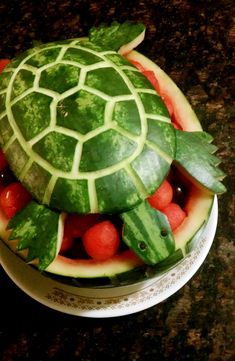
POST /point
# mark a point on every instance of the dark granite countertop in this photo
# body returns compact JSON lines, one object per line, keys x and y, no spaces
{"x":193,"y":42}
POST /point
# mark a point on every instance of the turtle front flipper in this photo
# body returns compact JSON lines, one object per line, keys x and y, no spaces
{"x":194,"y":155}
{"x":38,"y":230}
{"x":119,"y":37}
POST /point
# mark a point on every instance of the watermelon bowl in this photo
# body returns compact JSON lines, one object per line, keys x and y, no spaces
{"x":108,"y":189}
{"x":110,"y":302}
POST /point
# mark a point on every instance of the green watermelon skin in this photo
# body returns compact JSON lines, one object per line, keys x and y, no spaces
{"x":83,"y":121}
{"x":147,"y":232}
{"x":198,"y":205}
{"x":158,"y":127}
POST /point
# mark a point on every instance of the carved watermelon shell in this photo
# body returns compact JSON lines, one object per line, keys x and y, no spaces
{"x":83,"y":129}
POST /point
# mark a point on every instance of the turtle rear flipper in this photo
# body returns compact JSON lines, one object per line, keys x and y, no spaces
{"x":194,"y":154}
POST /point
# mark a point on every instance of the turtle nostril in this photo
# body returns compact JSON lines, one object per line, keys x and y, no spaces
{"x":142,"y":246}
{"x":164,"y":232}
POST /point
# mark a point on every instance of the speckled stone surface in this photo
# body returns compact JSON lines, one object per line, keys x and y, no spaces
{"x":193,"y":41}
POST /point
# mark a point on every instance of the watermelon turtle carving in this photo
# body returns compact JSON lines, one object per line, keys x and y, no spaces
{"x":86,"y":132}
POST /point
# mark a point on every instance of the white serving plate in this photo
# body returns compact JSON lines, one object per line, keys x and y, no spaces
{"x":109,"y":302}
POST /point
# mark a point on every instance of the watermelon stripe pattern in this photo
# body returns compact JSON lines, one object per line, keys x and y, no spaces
{"x":83,"y":120}
{"x":140,"y":224}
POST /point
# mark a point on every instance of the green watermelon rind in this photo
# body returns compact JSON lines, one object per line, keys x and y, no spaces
{"x":78,"y":169}
{"x":201,"y":201}
{"x":182,"y":108}
{"x":200,"y":206}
